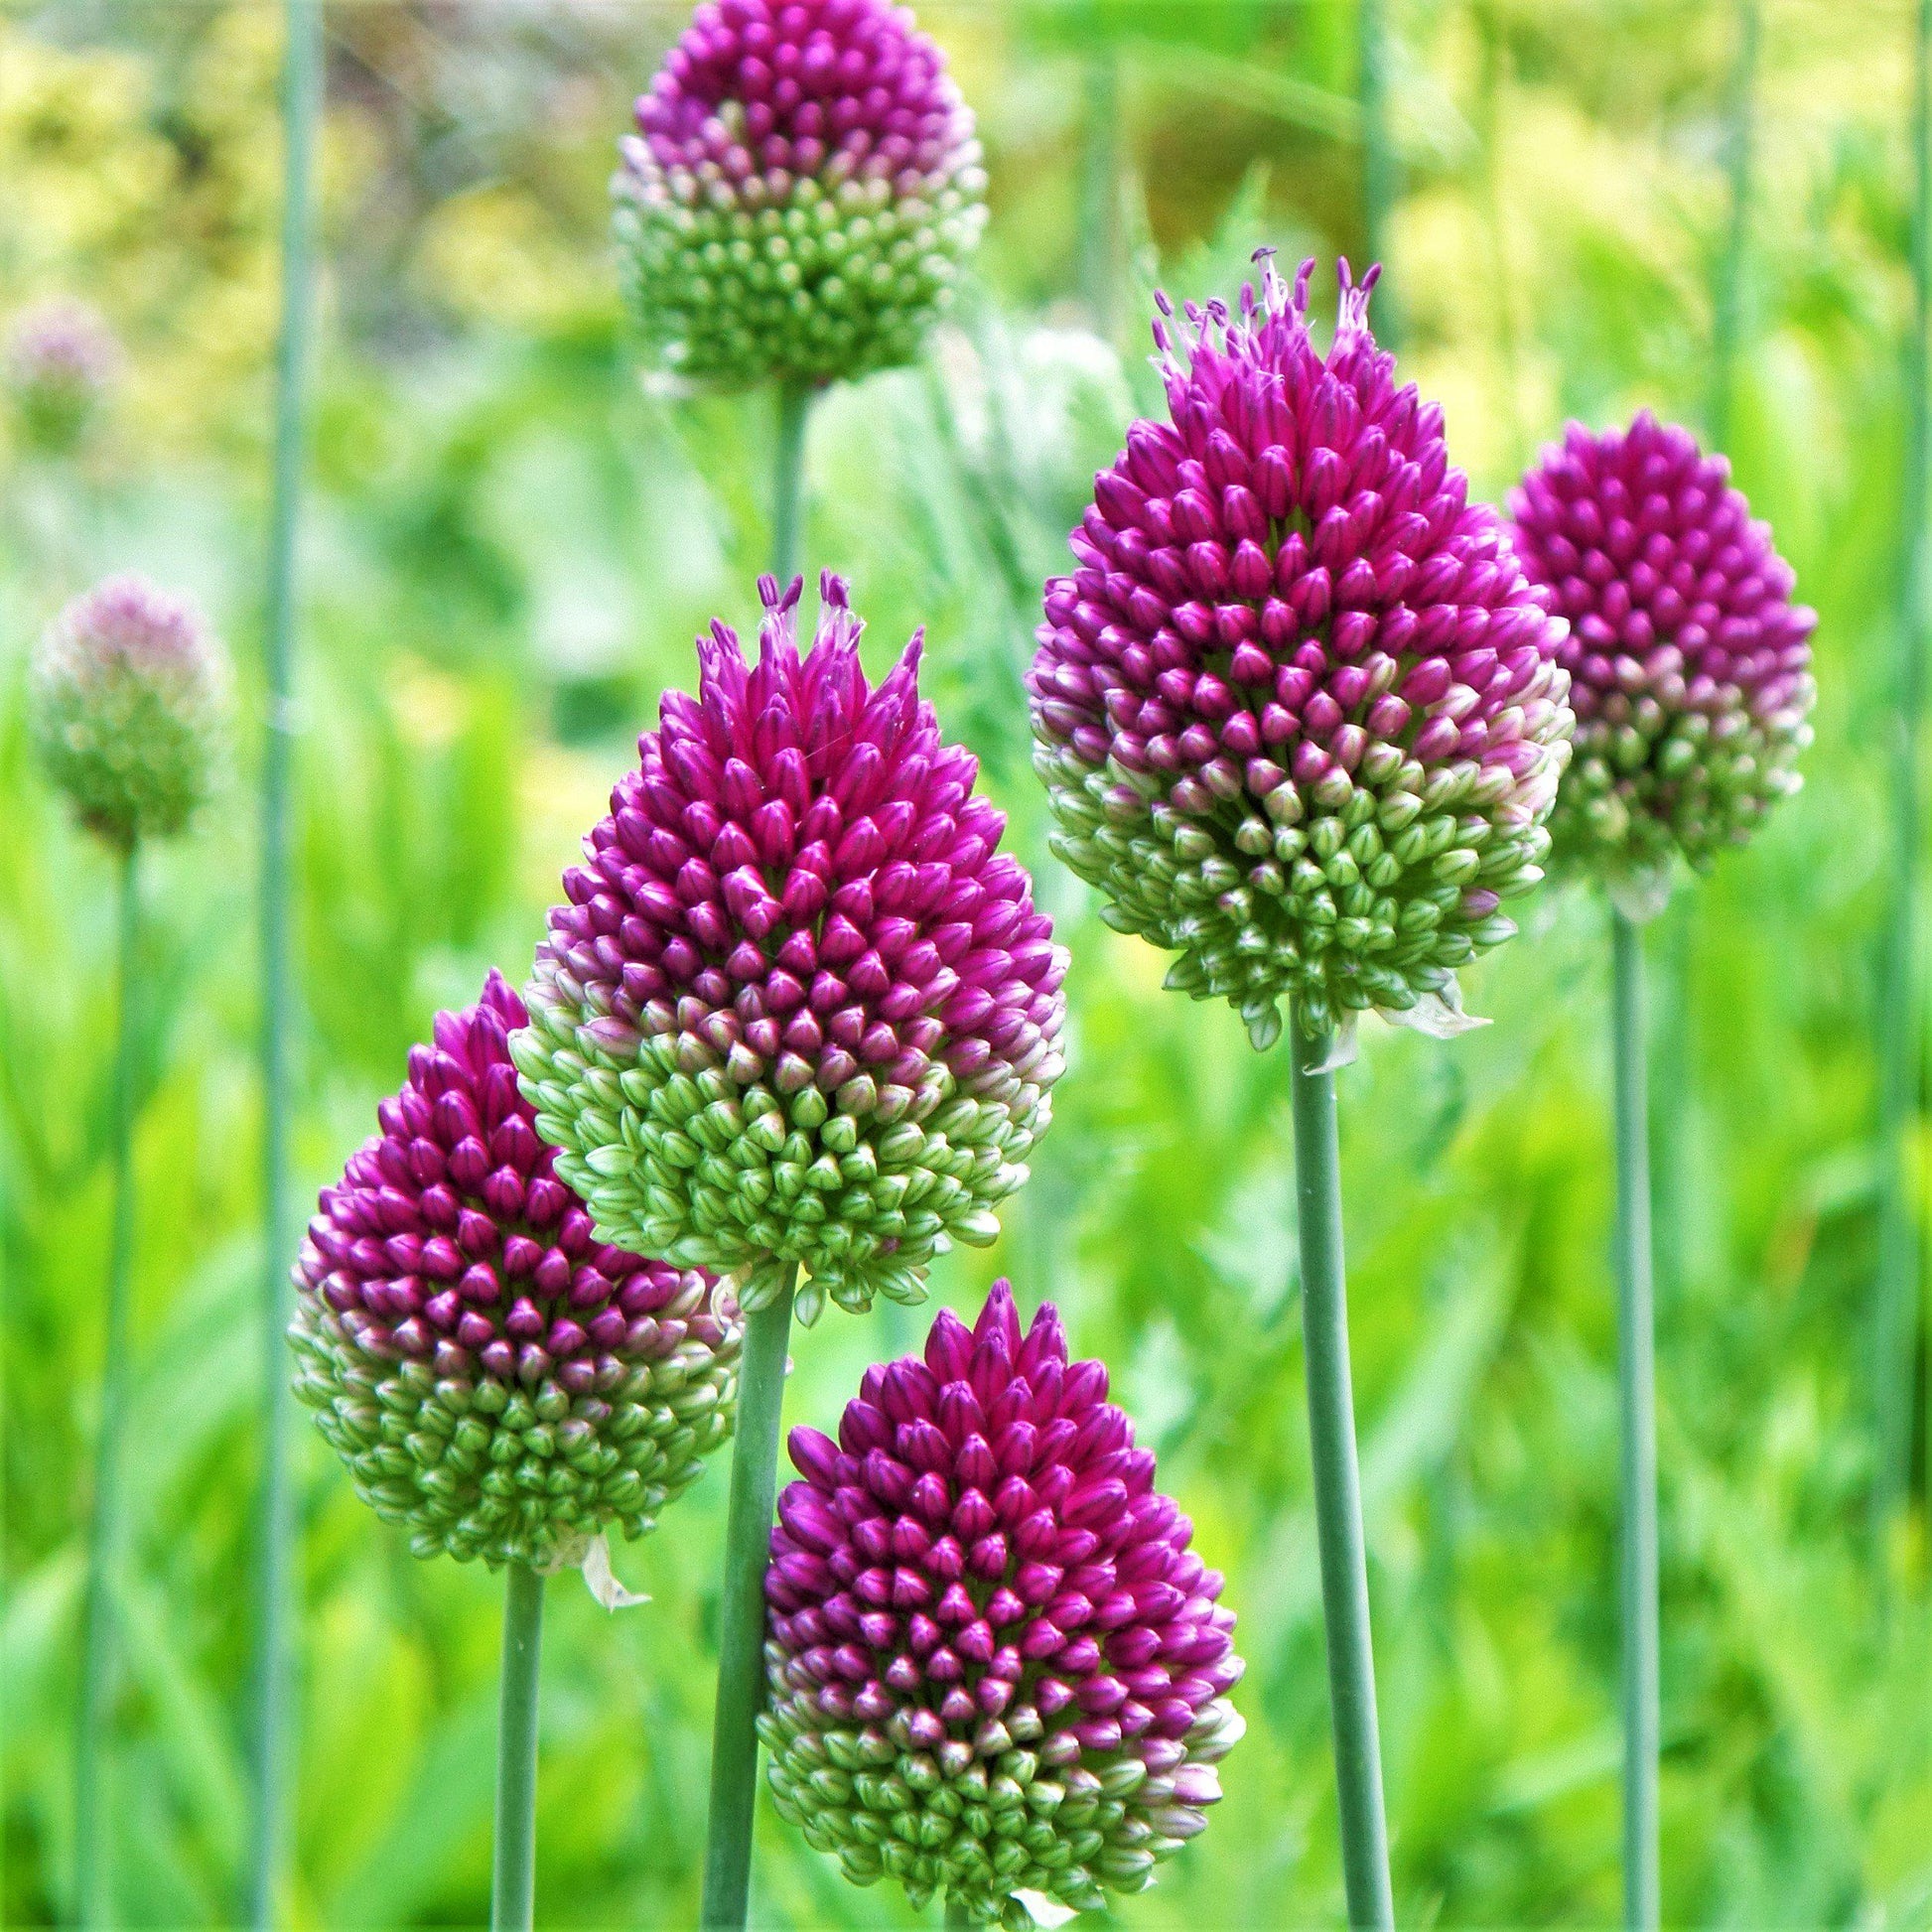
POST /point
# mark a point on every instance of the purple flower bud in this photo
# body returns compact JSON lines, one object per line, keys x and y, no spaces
{"x":1691,"y":666}
{"x":1251,"y":723}
{"x":513,"y":1426}
{"x":1032,"y":1736}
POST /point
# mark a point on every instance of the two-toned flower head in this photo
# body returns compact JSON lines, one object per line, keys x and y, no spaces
{"x":995,"y":1665}
{"x":1299,"y":711}
{"x":501,"y":1383}
{"x":802,"y":188}
{"x":61,"y":360}
{"x":797,"y":1007}
{"x":1689,"y":666}
{"x":127,"y":703}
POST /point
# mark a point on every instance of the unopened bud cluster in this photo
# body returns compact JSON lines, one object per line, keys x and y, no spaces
{"x":1298,"y":711}
{"x":802,"y":192}
{"x":128,"y":709}
{"x":501,"y":1383}
{"x":995,"y":1665}
{"x":1690,"y":664}
{"x":797,"y":1008}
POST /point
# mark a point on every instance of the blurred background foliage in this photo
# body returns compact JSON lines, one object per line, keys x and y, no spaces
{"x":508,"y":546}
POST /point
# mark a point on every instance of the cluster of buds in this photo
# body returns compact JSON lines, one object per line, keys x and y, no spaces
{"x":499,"y":1382}
{"x":1689,"y":666}
{"x":1299,"y":711}
{"x":798,"y":1008}
{"x":802,"y":192}
{"x":996,"y":1667}
{"x":127,"y":706}
{"x":61,"y":360}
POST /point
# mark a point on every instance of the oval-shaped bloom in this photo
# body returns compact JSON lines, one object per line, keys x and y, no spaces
{"x":803,"y":187}
{"x":1298,"y":711}
{"x":60,"y":362}
{"x":798,"y":1008}
{"x":1689,"y":666}
{"x":500,"y":1383}
{"x":127,"y":706}
{"x":995,"y":1665}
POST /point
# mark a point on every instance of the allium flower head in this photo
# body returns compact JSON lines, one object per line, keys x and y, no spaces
{"x":802,"y":188}
{"x":1689,"y":666}
{"x":500,"y":1383}
{"x":1297,"y":711}
{"x":61,"y":360}
{"x":797,"y":1008}
{"x":127,"y":705}
{"x":995,"y":1665}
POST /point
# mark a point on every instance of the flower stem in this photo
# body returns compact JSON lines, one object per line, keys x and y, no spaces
{"x":301,"y":108}
{"x":741,"y":1619}
{"x":1380,"y":181}
{"x":1337,"y":1486}
{"x":788,"y":480}
{"x":1100,"y":189}
{"x":90,"y":1889}
{"x":1901,"y":1044}
{"x":513,"y":1865}
{"x":1637,"y":1413}
{"x":958,"y":1917}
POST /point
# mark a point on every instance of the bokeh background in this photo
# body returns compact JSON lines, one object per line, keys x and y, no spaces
{"x":508,"y":545}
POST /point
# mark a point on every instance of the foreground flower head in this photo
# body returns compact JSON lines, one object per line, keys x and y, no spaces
{"x":797,"y":1008}
{"x":500,"y":1383}
{"x":127,"y":706}
{"x":1298,"y":711}
{"x":61,"y":360}
{"x":1689,"y":666}
{"x":995,"y":1666}
{"x":802,"y":188}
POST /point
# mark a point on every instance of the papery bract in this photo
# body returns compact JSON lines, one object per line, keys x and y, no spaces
{"x":1689,"y":666}
{"x":802,"y":188}
{"x":1298,"y":711}
{"x":995,"y":1665}
{"x":500,"y":1383}
{"x":797,"y":1008}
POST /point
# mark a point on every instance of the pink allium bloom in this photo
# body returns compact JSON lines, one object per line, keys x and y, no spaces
{"x":61,"y":360}
{"x":1690,"y":664}
{"x":128,"y":708}
{"x":499,"y":1382}
{"x":802,"y":188}
{"x":797,"y":1007}
{"x":995,"y":1665}
{"x":1299,"y":711}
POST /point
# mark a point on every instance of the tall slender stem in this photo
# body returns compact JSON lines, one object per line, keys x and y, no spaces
{"x":1674,"y":1096}
{"x":788,"y":480}
{"x":1380,"y":170}
{"x":514,"y":1864}
{"x":91,"y":1889}
{"x":741,"y":1622}
{"x":1101,"y":188}
{"x":1337,"y":1486}
{"x":301,"y":109}
{"x":1902,"y":1016}
{"x":1637,"y":1420}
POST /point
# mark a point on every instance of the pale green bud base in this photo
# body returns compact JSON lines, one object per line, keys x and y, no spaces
{"x":1346,"y":897}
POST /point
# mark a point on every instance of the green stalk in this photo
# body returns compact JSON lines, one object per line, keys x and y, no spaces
{"x":1673,"y":1099}
{"x":1337,"y":1486}
{"x":1100,"y":189}
{"x":788,"y":480}
{"x":1637,"y":1420}
{"x":1901,"y":1013}
{"x":301,"y":109}
{"x":1380,"y":184}
{"x":514,"y":1864}
{"x":91,"y":1889}
{"x":741,"y":1622}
